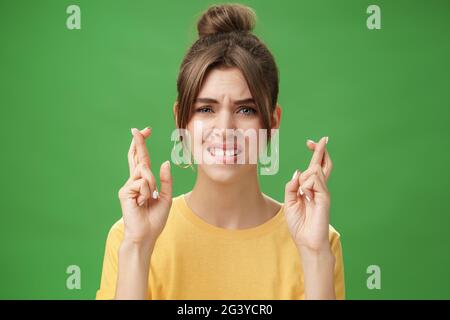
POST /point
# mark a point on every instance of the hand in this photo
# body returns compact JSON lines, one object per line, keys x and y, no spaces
{"x":307,"y":202}
{"x":144,"y":210}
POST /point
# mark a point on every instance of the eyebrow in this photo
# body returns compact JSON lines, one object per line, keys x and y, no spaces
{"x":210,"y":100}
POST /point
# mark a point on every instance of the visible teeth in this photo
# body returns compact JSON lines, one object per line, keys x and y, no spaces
{"x":221,"y":152}
{"x":229,"y":152}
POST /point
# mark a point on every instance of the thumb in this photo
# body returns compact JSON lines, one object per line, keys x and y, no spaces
{"x":166,"y":181}
{"x":291,"y":189}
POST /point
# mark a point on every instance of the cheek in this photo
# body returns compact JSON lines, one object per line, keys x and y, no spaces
{"x":249,"y":122}
{"x":195,"y":139}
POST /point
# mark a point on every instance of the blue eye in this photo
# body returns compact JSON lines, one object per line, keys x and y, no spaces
{"x":247,"y":111}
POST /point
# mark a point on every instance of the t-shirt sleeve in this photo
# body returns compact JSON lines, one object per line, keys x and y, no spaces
{"x":108,"y":280}
{"x":336,"y":247}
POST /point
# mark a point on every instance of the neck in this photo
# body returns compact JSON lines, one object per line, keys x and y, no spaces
{"x":232,"y":205}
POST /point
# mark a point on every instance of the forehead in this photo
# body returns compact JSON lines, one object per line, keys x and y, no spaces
{"x":225,"y":82}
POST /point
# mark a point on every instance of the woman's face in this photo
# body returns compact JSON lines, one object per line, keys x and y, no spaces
{"x":221,"y":126}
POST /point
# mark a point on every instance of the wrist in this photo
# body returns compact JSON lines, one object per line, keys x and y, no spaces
{"x":140,"y":248}
{"x":318,"y":248}
{"x":324,"y":255}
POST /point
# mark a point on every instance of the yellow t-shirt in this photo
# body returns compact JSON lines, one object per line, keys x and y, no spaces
{"x":193,"y":259}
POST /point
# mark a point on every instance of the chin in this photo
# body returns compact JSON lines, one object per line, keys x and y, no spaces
{"x":224,"y":173}
{"x":224,"y":165}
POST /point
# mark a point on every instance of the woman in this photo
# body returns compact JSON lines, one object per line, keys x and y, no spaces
{"x":224,"y":239}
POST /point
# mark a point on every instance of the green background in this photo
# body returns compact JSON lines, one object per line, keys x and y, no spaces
{"x":69,"y":98}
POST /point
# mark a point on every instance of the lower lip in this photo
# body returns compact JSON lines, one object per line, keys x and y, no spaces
{"x":224,"y":159}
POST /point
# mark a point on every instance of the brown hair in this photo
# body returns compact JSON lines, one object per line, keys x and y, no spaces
{"x":225,"y":40}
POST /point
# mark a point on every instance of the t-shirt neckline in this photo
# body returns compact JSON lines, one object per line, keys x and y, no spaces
{"x":259,"y":230}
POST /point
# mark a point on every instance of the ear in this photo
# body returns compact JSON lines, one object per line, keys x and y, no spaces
{"x":276,"y":117}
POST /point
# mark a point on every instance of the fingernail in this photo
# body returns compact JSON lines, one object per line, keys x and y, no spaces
{"x":301,"y":192}
{"x":307,"y":198}
{"x":326,"y":140}
{"x":309,"y":140}
{"x":155,"y":194}
{"x":133,"y":131}
{"x":295,"y":174}
{"x":141,"y":203}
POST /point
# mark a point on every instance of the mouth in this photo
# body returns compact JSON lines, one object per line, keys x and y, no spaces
{"x":224,"y":154}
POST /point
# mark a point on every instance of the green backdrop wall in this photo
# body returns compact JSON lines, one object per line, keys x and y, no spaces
{"x":69,"y":98}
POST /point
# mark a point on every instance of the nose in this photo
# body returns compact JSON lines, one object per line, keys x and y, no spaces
{"x":224,"y":120}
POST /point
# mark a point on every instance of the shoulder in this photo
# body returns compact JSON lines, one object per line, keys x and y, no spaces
{"x":333,"y":233}
{"x":273,"y":205}
{"x":335,"y":239}
{"x":115,"y":234}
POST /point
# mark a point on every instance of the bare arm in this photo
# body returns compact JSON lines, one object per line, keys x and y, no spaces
{"x":307,"y":211}
{"x":134,"y":265}
{"x":318,"y":269}
{"x":145,"y":212}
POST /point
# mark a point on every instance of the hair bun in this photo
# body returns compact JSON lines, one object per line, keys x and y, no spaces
{"x":226,"y":18}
